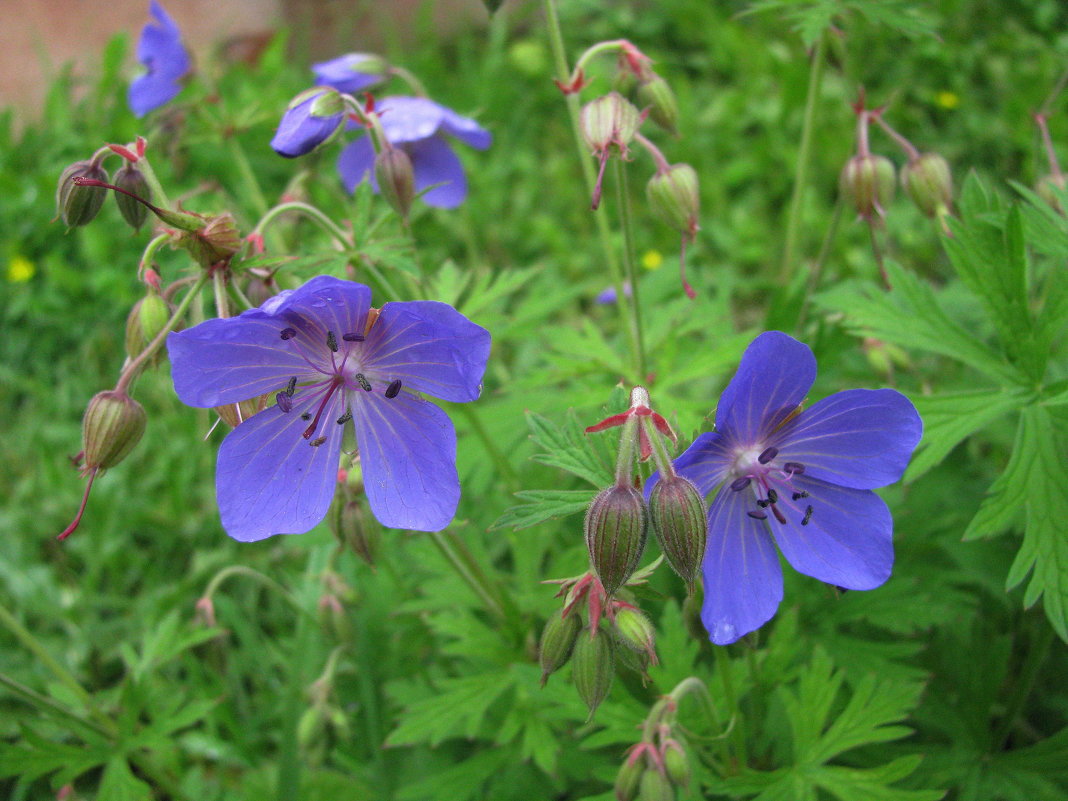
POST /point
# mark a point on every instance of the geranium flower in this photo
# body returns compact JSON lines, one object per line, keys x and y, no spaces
{"x":798,"y":479}
{"x":352,"y":72}
{"x":160,"y":50}
{"x":311,"y":118}
{"x":418,"y":126}
{"x":329,"y":359}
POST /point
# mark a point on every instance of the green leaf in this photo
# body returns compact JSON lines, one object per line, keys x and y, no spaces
{"x":542,"y":505}
{"x":456,"y":708}
{"x":461,"y":781}
{"x":119,"y":784}
{"x":871,"y":784}
{"x":568,"y":448}
{"x":948,"y":419}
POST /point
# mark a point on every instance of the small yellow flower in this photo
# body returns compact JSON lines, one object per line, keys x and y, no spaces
{"x":20,"y":270}
{"x":652,"y":259}
{"x":947,"y":99}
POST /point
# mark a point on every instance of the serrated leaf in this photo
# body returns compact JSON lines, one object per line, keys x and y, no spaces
{"x":119,"y":784}
{"x":872,"y":784}
{"x":542,"y":505}
{"x":461,"y":781}
{"x":456,"y":708}
{"x":567,"y":448}
{"x":948,"y":419}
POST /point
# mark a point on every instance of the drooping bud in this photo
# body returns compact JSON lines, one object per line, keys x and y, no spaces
{"x":147,"y":318}
{"x":312,"y":117}
{"x":673,"y":197}
{"x":676,"y":765}
{"x":928,"y":182}
{"x":557,"y":642}
{"x":680,"y":522}
{"x":629,"y":779}
{"x":867,"y":183}
{"x":130,"y":178}
{"x":592,"y":668}
{"x":655,"y":786}
{"x":352,"y":528}
{"x":112,"y":426}
{"x":634,"y":629}
{"x":608,"y":124}
{"x":78,"y":204}
{"x":616,"y":527}
{"x":655,"y":94}
{"x":396,"y":179}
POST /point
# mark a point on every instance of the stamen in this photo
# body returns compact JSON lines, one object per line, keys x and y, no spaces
{"x":361,"y":379}
{"x":773,"y":496}
{"x":344,"y":418}
{"x":794,"y":467}
{"x":778,"y":514}
{"x":763,"y":503}
{"x":740,"y":484}
{"x":758,"y":515}
{"x":353,"y":337}
{"x":807,"y":517}
{"x":291,"y":387}
{"x":768,"y":455}
{"x":334,"y":384}
{"x":315,"y":443}
{"x":394,"y":388}
{"x":799,"y":495}
{"x":305,"y":416}
{"x":284,"y":401}
{"x":289,"y":333}
{"x":331,"y":341}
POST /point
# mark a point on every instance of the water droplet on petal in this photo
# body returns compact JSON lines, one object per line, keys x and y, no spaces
{"x":723,"y":632}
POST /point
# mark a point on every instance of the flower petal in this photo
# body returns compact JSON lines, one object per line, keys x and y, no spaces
{"x":357,"y":162}
{"x":323,"y":304}
{"x":149,"y":91}
{"x":860,"y":438}
{"x":436,"y":165}
{"x":300,"y":130}
{"x":160,"y":46}
{"x":270,"y":480}
{"x":408,"y":455}
{"x":351,"y":73}
{"x":773,"y":378}
{"x":848,"y":540}
{"x":465,"y":129}
{"x":705,"y":463}
{"x":743,"y":580}
{"x":409,"y":119}
{"x":430,"y":347}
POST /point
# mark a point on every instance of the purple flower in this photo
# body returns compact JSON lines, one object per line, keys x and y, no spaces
{"x":798,"y":479}
{"x":352,"y":72}
{"x":160,"y":50}
{"x":311,"y":118}
{"x":311,"y":346}
{"x":418,"y":126}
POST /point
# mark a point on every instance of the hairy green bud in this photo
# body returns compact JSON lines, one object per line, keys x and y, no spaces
{"x":132,"y":180}
{"x":112,"y":426}
{"x":673,"y":197}
{"x":592,"y":668}
{"x":147,"y":318}
{"x":616,"y":526}
{"x":928,"y":182}
{"x":396,"y":180}
{"x":629,"y":779}
{"x":76,"y":204}
{"x":676,"y":764}
{"x":655,"y":786}
{"x":680,"y":522}
{"x":655,"y":94}
{"x":867,"y":183}
{"x":557,"y":642}
{"x":609,"y":120}
{"x":634,"y":629}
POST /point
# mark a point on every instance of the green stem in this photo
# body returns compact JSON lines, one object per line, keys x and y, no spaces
{"x":817,"y":267}
{"x":461,"y":561}
{"x":266,"y":581}
{"x":252,"y":184}
{"x":629,"y":261}
{"x":46,"y":702}
{"x":793,"y":221}
{"x":159,"y":197}
{"x":310,"y":211}
{"x":1025,"y":683}
{"x":724,"y":669}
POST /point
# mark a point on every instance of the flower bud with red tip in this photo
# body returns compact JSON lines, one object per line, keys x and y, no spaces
{"x":608,"y":125}
{"x":616,"y":527}
{"x":928,"y":182}
{"x":130,"y":178}
{"x":680,"y":522}
{"x":592,"y":667}
{"x":867,"y":183}
{"x":112,"y":426}
{"x":78,"y":204}
{"x":674,"y":198}
{"x":396,"y":179}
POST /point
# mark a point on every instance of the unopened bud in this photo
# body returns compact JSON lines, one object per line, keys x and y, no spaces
{"x":216,"y":240}
{"x":396,"y":180}
{"x":147,"y":318}
{"x":609,"y":120}
{"x":352,"y":528}
{"x":928,"y":181}
{"x":77,"y":204}
{"x":312,"y":727}
{"x":674,"y":198}
{"x":655,"y":786}
{"x":680,"y":521}
{"x":130,"y":178}
{"x":557,"y":642}
{"x":655,"y":94}
{"x":112,"y":426}
{"x":629,"y":779}
{"x":634,"y":629}
{"x":592,"y":668}
{"x":676,"y":765}
{"x":867,"y":183}
{"x":616,"y":526}
{"x":1047,"y":188}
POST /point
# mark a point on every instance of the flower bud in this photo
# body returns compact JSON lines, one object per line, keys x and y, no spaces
{"x":676,"y":765}
{"x":609,"y":120}
{"x":673,"y":197}
{"x":311,"y":118}
{"x":350,"y":525}
{"x":76,"y":204}
{"x":557,"y":642}
{"x":592,"y":668}
{"x":1047,"y":188}
{"x":352,"y":72}
{"x":629,"y":779}
{"x":655,"y":786}
{"x":112,"y":426}
{"x":396,"y":180}
{"x":867,"y":182}
{"x":928,"y":181}
{"x":215,"y":240}
{"x":680,"y":521}
{"x":655,"y":94}
{"x":147,"y":318}
{"x":616,"y":526}
{"x":634,"y":629}
{"x":130,"y":178}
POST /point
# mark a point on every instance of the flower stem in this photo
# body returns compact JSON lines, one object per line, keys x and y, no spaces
{"x":724,"y":669}
{"x":49,"y":703}
{"x":310,"y":211}
{"x":158,"y":196}
{"x":793,"y":221}
{"x":627,"y":224}
{"x":266,"y":581}
{"x":461,"y":560}
{"x":252,"y":184}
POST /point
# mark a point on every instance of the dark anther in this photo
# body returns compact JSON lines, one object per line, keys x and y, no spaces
{"x":289,"y":333}
{"x":773,"y":496}
{"x":306,"y":416}
{"x":768,"y":455}
{"x":363,"y":382}
{"x":807,"y":517}
{"x":331,"y":341}
{"x":284,"y":401}
{"x":344,"y":418}
{"x":291,"y":387}
{"x":794,"y":467}
{"x":763,"y":503}
{"x":799,"y":495}
{"x":778,"y":514}
{"x":758,"y":515}
{"x":353,"y":337}
{"x":394,"y":388}
{"x":740,"y":483}
{"x":315,"y":443}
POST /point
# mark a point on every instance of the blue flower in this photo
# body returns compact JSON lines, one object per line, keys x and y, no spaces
{"x":419,"y":127}
{"x":801,"y":480}
{"x":329,"y":359}
{"x":160,"y":50}
{"x":352,"y":72}
{"x":311,"y":118}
